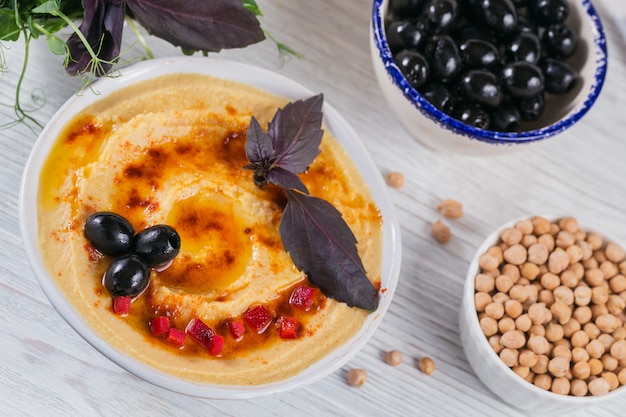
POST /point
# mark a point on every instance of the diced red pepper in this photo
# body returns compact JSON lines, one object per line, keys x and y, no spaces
{"x":302,"y":297}
{"x":200,"y":332}
{"x":217,"y":345}
{"x":237,"y":329}
{"x":175,"y":337}
{"x":288,"y":328}
{"x":258,"y":318}
{"x":160,"y":325}
{"x":121,"y":305}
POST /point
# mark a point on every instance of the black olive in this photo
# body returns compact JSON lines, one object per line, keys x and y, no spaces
{"x":525,"y":46}
{"x":110,"y":233}
{"x":406,"y":8}
{"x":156,"y":245}
{"x":522,"y":79}
{"x":524,"y":24}
{"x":414,"y":67}
{"x":506,"y":118}
{"x":471,"y":114}
{"x":560,"y":77}
{"x":559,"y":40}
{"x":499,"y":15}
{"x":443,"y":14}
{"x":482,"y":87}
{"x":469,"y":31}
{"x":476,"y":53}
{"x":548,"y":12}
{"x":531,"y":108}
{"x":127,"y":276}
{"x":439,"y":96}
{"x":445,"y":60}
{"x":407,"y":34}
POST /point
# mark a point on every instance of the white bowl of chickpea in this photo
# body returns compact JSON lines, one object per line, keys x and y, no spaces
{"x":543,"y":321}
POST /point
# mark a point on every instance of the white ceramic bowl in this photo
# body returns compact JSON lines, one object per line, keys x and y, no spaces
{"x":488,"y":366}
{"x":256,"y":77}
{"x":441,"y":132}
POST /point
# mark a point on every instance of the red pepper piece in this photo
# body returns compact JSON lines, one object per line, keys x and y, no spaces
{"x":258,"y":318}
{"x":288,"y":328}
{"x":200,"y":332}
{"x":121,"y":305}
{"x":175,"y":337}
{"x":237,"y":329}
{"x":302,"y":297}
{"x":160,"y":325}
{"x":217,"y":345}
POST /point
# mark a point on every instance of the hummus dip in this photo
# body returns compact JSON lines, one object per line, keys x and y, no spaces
{"x":171,"y":151}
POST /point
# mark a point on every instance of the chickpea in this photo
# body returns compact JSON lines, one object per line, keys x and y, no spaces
{"x":494,"y":310}
{"x":357,"y":377}
{"x":580,"y":354}
{"x":523,"y":323}
{"x":538,"y":253}
{"x":522,"y":371}
{"x":484,"y":283}
{"x":582,"y":314}
{"x":570,"y":328}
{"x":512,"y":271}
{"x":578,"y":269}
{"x":451,"y":209}
{"x":560,"y":386}
{"x":564,"y":294}
{"x":618,"y":283}
{"x":500,"y":298}
{"x":618,"y":349}
{"x":561,"y":311}
{"x":569,"y":279}
{"x":505,"y":324}
{"x":541,"y":367}
{"x":513,"y":308}
{"x":595,"y":241}
{"x":558,"y":261}
{"x":504,"y":283}
{"x":609,"y":269}
{"x":515,"y":254}
{"x":565,"y":239}
{"x":481,"y":300}
{"x":594,"y":276}
{"x":513,"y":339}
{"x":528,"y":240}
{"x":525,"y":226}
{"x":537,"y":330}
{"x":543,"y":381}
{"x":599,"y":256}
{"x":607,"y":323}
{"x":582,"y":296}
{"x":537,"y":313}
{"x":569,"y":224}
{"x":540,"y":225}
{"x":590,"y":263}
{"x":612,"y":378}
{"x":393,"y":357}
{"x":621,"y":376}
{"x":595,"y":366}
{"x":546,"y":297}
{"x":598,"y":310}
{"x":578,"y":388}
{"x":615,"y":304}
{"x":599,"y":386}
{"x":426,"y":365}
{"x":519,"y":293}
{"x":511,"y":236}
{"x":609,"y":362}
{"x":607,"y":340}
{"x":580,"y":339}
{"x":619,"y":333}
{"x":529,"y":270}
{"x":575,"y":254}
{"x":538,"y":344}
{"x":581,"y":370}
{"x":489,"y":326}
{"x":532,"y":292}
{"x":441,"y":233}
{"x":562,"y":351}
{"x":554,"y":332}
{"x":528,"y":358}
{"x":395,"y":179}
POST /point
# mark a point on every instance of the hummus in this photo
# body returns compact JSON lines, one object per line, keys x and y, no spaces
{"x":171,"y":151}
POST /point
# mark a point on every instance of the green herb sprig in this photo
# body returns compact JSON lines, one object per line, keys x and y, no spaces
{"x":94,"y":45}
{"x":312,"y":230}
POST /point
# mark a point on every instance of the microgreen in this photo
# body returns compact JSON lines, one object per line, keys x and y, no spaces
{"x":94,"y":46}
{"x":312,"y":230}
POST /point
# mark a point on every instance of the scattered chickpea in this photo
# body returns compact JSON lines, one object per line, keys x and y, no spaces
{"x":441,"y":233}
{"x":393,"y":357}
{"x":357,"y":377}
{"x":395,"y":179}
{"x":451,"y":209}
{"x":426,"y":365}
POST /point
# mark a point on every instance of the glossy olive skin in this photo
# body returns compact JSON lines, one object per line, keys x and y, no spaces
{"x":471,"y":114}
{"x":560,"y":77}
{"x":559,"y":40}
{"x":505,"y":118}
{"x":548,"y":12}
{"x":414,"y":67}
{"x":531,"y":108}
{"x":442,"y":14}
{"x":156,"y":245}
{"x":445,"y":60}
{"x":525,"y":46}
{"x":481,"y":87}
{"x":110,"y":233}
{"x":499,"y":15}
{"x":127,"y":275}
{"x":479,"y":54}
{"x":407,"y":34}
{"x":439,"y":96}
{"x":523,"y":79}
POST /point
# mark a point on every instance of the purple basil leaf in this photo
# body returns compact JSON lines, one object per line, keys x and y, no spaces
{"x":322,"y":245}
{"x":207,"y":25}
{"x":259,"y":148}
{"x":286,"y":179}
{"x":296,"y":133}
{"x":102,"y":27}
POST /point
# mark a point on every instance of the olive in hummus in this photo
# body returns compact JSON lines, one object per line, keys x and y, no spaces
{"x":171,"y":151}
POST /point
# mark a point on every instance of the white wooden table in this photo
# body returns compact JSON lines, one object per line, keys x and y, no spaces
{"x":46,"y":369}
